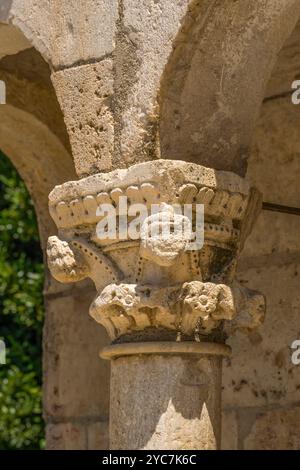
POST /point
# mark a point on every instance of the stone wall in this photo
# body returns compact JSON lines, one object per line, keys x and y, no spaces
{"x":261,"y":395}
{"x":76,"y":380}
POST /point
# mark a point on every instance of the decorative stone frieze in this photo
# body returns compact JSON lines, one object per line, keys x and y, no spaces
{"x":152,"y":287}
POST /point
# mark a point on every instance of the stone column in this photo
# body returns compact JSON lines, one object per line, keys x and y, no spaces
{"x":167,"y":302}
{"x":166,"y":397}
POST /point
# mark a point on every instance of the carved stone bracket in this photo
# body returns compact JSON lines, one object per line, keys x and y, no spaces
{"x":153,"y":284}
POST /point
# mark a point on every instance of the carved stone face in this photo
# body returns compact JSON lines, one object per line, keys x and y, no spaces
{"x":165,"y":236}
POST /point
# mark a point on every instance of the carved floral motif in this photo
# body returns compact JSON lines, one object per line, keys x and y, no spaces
{"x":155,"y":283}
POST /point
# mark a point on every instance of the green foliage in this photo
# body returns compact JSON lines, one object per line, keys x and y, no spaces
{"x":21,"y":315}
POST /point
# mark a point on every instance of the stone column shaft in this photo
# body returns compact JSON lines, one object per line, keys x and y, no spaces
{"x":176,"y":403}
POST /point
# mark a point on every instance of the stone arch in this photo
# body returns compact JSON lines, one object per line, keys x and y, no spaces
{"x":275,"y":138}
{"x":215,"y":79}
{"x":34,"y":137}
{"x":32,"y":130}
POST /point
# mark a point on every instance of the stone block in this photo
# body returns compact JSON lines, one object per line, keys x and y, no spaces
{"x":144,"y":43}
{"x":76,"y":380}
{"x":274,"y":162}
{"x":260,"y":371}
{"x":68,"y":31}
{"x":287,"y":67}
{"x":98,"y":436}
{"x":275,"y":430}
{"x":12,"y":40}
{"x":85,"y":96}
{"x":229,"y":439}
{"x":274,"y":233}
{"x":66,"y":436}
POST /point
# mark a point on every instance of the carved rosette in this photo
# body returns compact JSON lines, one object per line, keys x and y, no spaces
{"x":151,"y":287}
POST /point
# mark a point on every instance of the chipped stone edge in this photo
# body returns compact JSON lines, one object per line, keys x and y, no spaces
{"x":143,"y":172}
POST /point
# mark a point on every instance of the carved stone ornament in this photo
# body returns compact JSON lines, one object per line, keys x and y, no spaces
{"x":153,"y":285}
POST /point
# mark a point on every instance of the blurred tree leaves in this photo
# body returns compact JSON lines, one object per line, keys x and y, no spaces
{"x":21,"y":315}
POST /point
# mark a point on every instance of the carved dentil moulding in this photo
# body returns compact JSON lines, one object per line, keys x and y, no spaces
{"x":150,"y":284}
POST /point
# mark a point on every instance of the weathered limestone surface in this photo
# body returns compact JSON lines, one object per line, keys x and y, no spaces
{"x":32,"y":131}
{"x":71,"y":353}
{"x":77,"y":435}
{"x":33,"y":135}
{"x":229,"y":440}
{"x":37,"y":158}
{"x":181,"y":405}
{"x":161,"y":291}
{"x":161,"y":51}
{"x":215,"y":79}
{"x":12,"y":40}
{"x":286,"y":69}
{"x":85,"y":94}
{"x":66,"y":32}
{"x":261,"y":385}
{"x":144,"y":41}
{"x":97,"y":436}
{"x":276,"y":146}
{"x":66,"y":436}
{"x":134,"y":288}
{"x":245,"y":379}
{"x":275,"y":430}
{"x":217,"y":58}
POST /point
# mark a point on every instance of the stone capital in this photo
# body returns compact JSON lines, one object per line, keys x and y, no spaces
{"x":149,"y":287}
